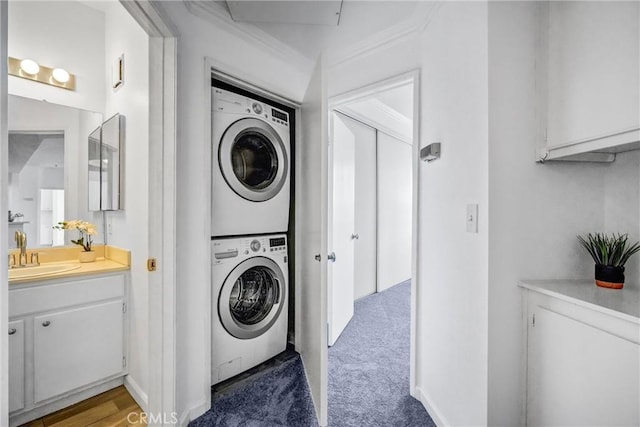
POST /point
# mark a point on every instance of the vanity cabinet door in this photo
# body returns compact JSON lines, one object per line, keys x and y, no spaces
{"x":77,"y":347}
{"x":16,"y":365}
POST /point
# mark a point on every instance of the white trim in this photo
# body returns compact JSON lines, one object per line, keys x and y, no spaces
{"x":134,"y":389}
{"x":218,"y":15}
{"x":434,"y":412}
{"x":194,"y":412}
{"x":4,"y":191}
{"x":161,"y":393}
{"x":237,"y":77}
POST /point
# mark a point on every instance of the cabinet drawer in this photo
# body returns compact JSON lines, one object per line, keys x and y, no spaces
{"x":48,"y":297}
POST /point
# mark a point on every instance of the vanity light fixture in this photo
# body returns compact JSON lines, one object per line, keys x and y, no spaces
{"x":60,"y":75}
{"x":29,"y":66}
{"x":31,"y":70}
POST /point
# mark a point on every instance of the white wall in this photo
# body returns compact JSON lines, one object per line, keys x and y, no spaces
{"x":621,"y":201}
{"x":200,"y":39}
{"x":130,"y":226}
{"x":394,"y":207}
{"x":536,"y":210}
{"x":453,"y":277}
{"x":64,"y":34}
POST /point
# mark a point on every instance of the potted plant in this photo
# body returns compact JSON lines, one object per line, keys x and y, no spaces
{"x":85,"y":231}
{"x":610,"y":254}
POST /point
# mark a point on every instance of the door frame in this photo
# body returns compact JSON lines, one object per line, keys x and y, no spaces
{"x":161,"y":403}
{"x":335,"y":102}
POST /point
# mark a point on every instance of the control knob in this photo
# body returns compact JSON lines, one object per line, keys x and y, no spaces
{"x":255,"y":246}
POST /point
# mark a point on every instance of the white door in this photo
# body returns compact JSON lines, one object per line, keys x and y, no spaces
{"x":341,"y":227}
{"x":16,"y":365}
{"x":311,"y":239}
{"x":395,"y":191}
{"x":76,"y":347}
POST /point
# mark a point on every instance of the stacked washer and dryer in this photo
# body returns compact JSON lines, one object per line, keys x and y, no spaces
{"x":249,"y":221}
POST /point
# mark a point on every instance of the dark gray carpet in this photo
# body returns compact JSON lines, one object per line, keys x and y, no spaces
{"x":277,"y":396}
{"x":369,"y":366}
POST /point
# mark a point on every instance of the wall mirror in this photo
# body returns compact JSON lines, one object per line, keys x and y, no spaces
{"x":106,"y":148}
{"x":47,"y":170}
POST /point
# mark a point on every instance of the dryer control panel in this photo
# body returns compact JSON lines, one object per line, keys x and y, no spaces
{"x":224,"y":101}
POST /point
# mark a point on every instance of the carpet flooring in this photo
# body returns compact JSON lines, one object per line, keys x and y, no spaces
{"x":369,"y":366}
{"x":368,"y":378}
{"x":274,"y":395}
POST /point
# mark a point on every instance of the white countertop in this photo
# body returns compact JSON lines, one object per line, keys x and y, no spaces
{"x":623,"y":303}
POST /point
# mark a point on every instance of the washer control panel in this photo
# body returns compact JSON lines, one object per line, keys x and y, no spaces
{"x":224,"y":101}
{"x":233,"y":249}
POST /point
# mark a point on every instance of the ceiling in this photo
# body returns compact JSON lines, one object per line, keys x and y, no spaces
{"x":390,"y":111}
{"x":302,"y":29}
{"x":42,"y":150}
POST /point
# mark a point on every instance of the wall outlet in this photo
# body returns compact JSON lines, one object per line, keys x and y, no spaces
{"x":472,"y":218}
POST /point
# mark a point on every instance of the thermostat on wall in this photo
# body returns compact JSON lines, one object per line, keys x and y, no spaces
{"x":430,"y":152}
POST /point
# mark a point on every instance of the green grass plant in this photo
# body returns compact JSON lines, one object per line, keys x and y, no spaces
{"x":610,"y":250}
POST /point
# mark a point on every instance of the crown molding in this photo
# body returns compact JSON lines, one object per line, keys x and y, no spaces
{"x":393,"y":35}
{"x":215,"y":13}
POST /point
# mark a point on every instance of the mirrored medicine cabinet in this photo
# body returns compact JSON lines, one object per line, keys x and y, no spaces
{"x":106,"y":151}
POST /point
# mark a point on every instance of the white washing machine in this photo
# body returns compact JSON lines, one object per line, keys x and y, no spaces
{"x":250,"y":166}
{"x":250,"y":302}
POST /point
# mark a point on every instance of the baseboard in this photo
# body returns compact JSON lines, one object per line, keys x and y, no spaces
{"x":141,"y":398}
{"x":193,"y":413}
{"x":435,"y":414}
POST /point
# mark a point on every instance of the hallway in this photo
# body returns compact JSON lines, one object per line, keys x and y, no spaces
{"x":369,"y":365}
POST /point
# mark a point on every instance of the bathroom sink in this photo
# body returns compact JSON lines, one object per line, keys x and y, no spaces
{"x":41,"y":270}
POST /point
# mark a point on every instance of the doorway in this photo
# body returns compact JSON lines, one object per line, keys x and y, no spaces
{"x":372,"y":223}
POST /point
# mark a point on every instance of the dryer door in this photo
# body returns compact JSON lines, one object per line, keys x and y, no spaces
{"x":253,"y":159}
{"x":252,"y":298}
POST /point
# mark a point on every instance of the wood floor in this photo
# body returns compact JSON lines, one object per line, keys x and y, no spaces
{"x":114,"y":408}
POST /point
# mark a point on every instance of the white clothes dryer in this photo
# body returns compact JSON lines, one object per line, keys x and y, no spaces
{"x":250,"y":302}
{"x":250,"y":166}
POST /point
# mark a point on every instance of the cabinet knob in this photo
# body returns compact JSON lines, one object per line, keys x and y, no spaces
{"x":12,"y":331}
{"x":46,"y":323}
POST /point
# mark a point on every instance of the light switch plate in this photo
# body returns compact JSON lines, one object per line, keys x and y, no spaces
{"x":472,"y":218}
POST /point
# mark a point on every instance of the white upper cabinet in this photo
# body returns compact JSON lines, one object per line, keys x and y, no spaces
{"x":593,"y":78}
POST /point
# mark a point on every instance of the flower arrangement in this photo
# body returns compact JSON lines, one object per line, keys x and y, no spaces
{"x":85,"y":229}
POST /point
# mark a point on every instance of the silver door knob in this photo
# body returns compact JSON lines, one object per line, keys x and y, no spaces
{"x":12,"y":331}
{"x":46,"y":323}
{"x":354,"y":236}
{"x":332,"y":257}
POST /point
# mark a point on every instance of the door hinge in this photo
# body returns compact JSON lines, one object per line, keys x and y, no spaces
{"x":533,"y":320}
{"x":152,"y":264}
{"x":124,"y":361}
{"x":124,"y":307}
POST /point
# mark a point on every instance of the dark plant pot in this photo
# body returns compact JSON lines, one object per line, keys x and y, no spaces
{"x":609,"y":277}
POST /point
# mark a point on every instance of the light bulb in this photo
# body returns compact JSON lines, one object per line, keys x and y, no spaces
{"x":60,"y":75}
{"x":29,"y":66}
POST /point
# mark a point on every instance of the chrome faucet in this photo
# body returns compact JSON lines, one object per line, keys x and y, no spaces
{"x":21,"y":242}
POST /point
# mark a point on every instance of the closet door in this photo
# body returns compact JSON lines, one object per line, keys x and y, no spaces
{"x":365,"y":263}
{"x":394,"y":211}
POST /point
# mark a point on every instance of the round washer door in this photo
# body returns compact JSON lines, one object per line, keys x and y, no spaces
{"x":253,"y":159}
{"x":252,"y":297}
